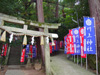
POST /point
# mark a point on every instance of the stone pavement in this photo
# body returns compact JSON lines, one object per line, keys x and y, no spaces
{"x":16,"y":70}
{"x":61,"y":66}
{"x":24,"y":72}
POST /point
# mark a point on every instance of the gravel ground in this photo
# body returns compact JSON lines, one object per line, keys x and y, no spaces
{"x":61,"y":66}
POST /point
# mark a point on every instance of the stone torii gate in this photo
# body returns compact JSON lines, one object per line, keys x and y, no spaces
{"x":25,"y":31}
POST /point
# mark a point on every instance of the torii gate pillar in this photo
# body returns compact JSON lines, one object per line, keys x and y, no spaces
{"x":47,"y":53}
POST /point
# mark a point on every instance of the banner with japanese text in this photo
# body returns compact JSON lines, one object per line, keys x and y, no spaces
{"x":22,"y":55}
{"x":81,"y":32}
{"x":4,"y":50}
{"x":68,"y":44}
{"x":89,"y":36}
{"x":65,"y":44}
{"x":50,"y":46}
{"x":34,"y":51}
{"x":31,"y":50}
{"x":71,"y":42}
{"x":27,"y":50}
{"x":3,"y":47}
{"x":76,"y":40}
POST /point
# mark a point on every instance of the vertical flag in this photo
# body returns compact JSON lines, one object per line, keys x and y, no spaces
{"x":27,"y":50}
{"x":81,"y":31}
{"x":31,"y":50}
{"x":65,"y":44}
{"x":22,"y":55}
{"x":68,"y":44}
{"x":71,"y":42}
{"x":89,"y":36}
{"x":34,"y":51}
{"x":5,"y":49}
{"x":55,"y":45}
{"x":76,"y":40}
{"x":50,"y":46}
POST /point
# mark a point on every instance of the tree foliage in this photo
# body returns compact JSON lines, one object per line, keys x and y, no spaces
{"x":67,"y":10}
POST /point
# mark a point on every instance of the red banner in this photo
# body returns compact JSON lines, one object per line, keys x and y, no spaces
{"x":61,"y":44}
{"x":68,"y":44}
{"x":50,"y":46}
{"x":71,"y":42}
{"x":55,"y":45}
{"x":31,"y":50}
{"x":23,"y":55}
{"x":5,"y":50}
{"x":81,"y":32}
{"x":3,"y":47}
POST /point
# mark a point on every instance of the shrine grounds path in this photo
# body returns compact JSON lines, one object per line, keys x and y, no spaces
{"x":60,"y":65}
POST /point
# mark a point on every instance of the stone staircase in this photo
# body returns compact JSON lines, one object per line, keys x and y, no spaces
{"x":14,"y":56}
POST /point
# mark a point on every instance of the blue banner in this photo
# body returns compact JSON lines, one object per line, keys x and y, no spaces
{"x":65,"y":49}
{"x":27,"y":51}
{"x":52,"y":48}
{"x":34,"y":51}
{"x":89,"y":36}
{"x":76,"y":40}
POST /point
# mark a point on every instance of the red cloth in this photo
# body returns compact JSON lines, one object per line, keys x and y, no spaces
{"x":50,"y":46}
{"x":22,"y":55}
{"x":68,"y":44}
{"x":3,"y":47}
{"x":5,"y":50}
{"x":71,"y":44}
{"x":31,"y":50}
{"x":81,"y":32}
{"x":55,"y":45}
{"x":60,"y":44}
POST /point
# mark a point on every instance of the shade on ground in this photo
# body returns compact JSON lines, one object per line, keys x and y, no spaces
{"x":61,"y":66}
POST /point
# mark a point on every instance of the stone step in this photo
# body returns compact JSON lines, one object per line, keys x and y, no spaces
{"x":14,"y":67}
{"x":14,"y":57}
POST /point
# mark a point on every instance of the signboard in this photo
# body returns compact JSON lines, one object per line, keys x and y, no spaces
{"x":89,"y":36}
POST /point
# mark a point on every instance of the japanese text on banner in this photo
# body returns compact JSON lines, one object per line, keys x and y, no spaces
{"x":89,"y":36}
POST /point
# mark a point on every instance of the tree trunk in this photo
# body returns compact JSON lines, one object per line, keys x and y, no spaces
{"x":40,"y":15}
{"x":63,"y":13}
{"x":56,"y":14}
{"x":94,"y":6}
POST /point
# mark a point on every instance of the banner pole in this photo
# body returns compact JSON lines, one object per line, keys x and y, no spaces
{"x":96,"y":63}
{"x":81,"y":62}
{"x":96,"y":48}
{"x":74,"y":58}
{"x":86,"y":63}
{"x":77,"y":59}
